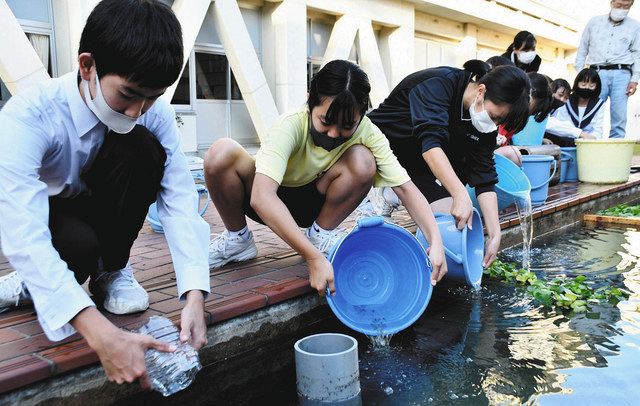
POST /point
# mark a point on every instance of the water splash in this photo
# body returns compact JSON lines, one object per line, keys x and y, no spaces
{"x":380,"y":341}
{"x":525,"y":215}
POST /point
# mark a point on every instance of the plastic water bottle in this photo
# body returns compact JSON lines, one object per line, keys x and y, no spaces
{"x":169,"y":372}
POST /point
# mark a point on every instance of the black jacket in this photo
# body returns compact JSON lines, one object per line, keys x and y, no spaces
{"x":534,"y":66}
{"x":427,"y":105}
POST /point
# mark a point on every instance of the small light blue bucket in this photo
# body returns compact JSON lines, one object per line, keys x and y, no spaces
{"x":382,"y":277}
{"x":464,"y":248}
{"x":536,"y":167}
{"x":512,"y":183}
{"x":531,"y":134}
{"x":152,"y":215}
{"x":570,"y":172}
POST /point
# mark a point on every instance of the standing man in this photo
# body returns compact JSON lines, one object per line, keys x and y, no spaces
{"x":610,"y":44}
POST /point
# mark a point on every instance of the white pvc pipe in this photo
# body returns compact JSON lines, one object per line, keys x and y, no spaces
{"x":327,"y":370}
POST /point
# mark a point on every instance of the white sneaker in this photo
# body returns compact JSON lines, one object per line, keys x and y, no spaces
{"x":381,"y":206}
{"x":13,"y":292}
{"x":225,"y":248}
{"x":120,"y":291}
{"x":324,"y":241}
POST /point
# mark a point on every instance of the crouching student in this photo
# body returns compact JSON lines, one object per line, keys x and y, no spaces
{"x":582,"y":116}
{"x":441,"y":124}
{"x":313,"y":169}
{"x":81,"y":159}
{"x":540,"y":106}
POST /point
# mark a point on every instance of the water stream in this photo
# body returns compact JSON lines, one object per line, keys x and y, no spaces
{"x":525,"y":215}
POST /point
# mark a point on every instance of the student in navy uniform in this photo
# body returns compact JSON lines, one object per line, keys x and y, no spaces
{"x":582,"y":116}
{"x":82,"y":157}
{"x":522,"y":52}
{"x":441,"y":124}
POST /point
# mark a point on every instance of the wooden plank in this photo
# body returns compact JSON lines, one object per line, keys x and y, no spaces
{"x":632,"y":221}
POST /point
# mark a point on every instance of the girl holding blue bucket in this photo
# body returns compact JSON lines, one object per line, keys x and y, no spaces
{"x":441,"y":124}
{"x":312,"y":170}
{"x":582,"y":116}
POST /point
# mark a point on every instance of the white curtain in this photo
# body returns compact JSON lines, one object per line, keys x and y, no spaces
{"x":41,"y":45}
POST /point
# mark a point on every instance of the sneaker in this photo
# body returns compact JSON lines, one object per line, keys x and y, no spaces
{"x":325,"y":241}
{"x":381,"y":206}
{"x":13,"y":292}
{"x":225,"y":248}
{"x":119,"y":291}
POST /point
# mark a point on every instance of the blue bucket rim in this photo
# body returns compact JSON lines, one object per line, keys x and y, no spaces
{"x":372,"y":222}
{"x":508,"y":162}
{"x":537,"y":158}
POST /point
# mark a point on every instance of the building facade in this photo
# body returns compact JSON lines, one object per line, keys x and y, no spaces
{"x":247,"y":61}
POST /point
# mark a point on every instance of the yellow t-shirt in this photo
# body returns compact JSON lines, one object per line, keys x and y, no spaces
{"x":289,"y":156}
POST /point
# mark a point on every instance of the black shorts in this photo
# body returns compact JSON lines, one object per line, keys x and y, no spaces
{"x":304,"y":203}
{"x":408,"y":153}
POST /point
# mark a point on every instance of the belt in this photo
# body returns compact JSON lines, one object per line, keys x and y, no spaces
{"x":611,"y":66}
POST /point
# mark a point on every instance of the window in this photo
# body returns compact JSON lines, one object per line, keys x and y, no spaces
{"x":214,"y":79}
{"x":182,"y":94}
{"x":36,"y":19}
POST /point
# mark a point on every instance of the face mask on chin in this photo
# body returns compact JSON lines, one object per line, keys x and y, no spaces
{"x":618,"y":14}
{"x":118,"y":122}
{"x":481,"y":121}
{"x":526,"y":57}
{"x":323,"y":140}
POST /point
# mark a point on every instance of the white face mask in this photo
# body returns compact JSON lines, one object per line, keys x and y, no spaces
{"x":481,"y":121}
{"x":618,"y":14}
{"x":118,"y":122}
{"x":526,"y":57}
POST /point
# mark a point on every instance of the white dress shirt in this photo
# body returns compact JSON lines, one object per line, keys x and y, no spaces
{"x":48,"y":138}
{"x":605,"y":43}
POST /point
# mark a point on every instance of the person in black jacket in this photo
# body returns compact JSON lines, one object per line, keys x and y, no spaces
{"x":522,"y":52}
{"x":441,"y":124}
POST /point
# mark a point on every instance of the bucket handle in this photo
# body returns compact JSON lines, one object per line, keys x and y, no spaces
{"x":370,"y":221}
{"x":567,"y":155}
{"x":456,"y":257}
{"x":202,"y":191}
{"x":555,"y":166}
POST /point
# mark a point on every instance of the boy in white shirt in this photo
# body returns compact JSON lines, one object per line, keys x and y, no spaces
{"x":81,"y":159}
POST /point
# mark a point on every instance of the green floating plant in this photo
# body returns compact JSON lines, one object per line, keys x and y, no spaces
{"x":622,"y":210}
{"x":573,"y":294}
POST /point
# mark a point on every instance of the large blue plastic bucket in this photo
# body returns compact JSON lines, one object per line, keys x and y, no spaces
{"x":154,"y":220}
{"x":382,"y":277}
{"x":536,"y":167}
{"x":531,"y":134}
{"x":570,"y":173}
{"x":512,"y":183}
{"x":464,"y":248}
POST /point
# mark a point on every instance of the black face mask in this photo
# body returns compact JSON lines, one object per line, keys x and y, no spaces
{"x":586,"y":93}
{"x":556,"y":104}
{"x":322,"y":140}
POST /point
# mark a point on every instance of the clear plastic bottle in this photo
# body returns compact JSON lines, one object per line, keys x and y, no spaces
{"x":169,"y":372}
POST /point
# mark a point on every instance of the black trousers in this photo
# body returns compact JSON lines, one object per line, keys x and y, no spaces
{"x":122,"y":182}
{"x":560,"y":140}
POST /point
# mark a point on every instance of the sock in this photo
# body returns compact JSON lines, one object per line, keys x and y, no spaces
{"x":243,"y":233}
{"x":391,"y":196}
{"x":316,"y":230}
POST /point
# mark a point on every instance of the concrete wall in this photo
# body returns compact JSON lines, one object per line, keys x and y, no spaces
{"x":389,"y":38}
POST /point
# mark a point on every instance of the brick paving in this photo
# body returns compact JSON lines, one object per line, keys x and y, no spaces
{"x":278,"y":274}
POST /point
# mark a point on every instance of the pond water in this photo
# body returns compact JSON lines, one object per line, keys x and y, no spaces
{"x":494,"y":346}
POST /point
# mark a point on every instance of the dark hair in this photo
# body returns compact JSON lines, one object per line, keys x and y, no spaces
{"x":558,"y":84}
{"x":477,"y":68}
{"x":541,"y":96}
{"x":506,"y":85}
{"x":498,"y":60}
{"x":587,"y":75}
{"x":347,"y":84}
{"x":522,"y":38}
{"x":140,"y":40}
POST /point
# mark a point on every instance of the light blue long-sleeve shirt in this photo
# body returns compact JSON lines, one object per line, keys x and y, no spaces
{"x":604,"y":43}
{"x":48,"y":138}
